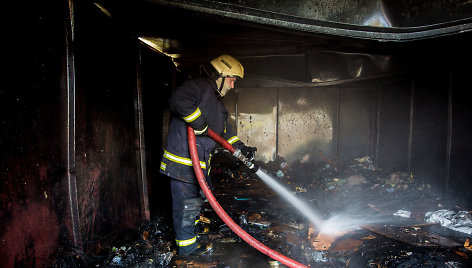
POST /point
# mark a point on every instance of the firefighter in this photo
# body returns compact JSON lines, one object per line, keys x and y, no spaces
{"x":197,"y":103}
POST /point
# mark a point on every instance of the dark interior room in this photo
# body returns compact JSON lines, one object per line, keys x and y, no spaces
{"x":359,"y":111}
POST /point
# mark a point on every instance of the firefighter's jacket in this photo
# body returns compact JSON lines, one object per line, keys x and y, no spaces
{"x":198,"y":104}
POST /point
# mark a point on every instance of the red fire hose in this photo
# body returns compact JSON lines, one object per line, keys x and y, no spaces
{"x":219,"y":210}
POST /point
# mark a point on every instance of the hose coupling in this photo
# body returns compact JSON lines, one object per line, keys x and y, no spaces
{"x":239,"y":155}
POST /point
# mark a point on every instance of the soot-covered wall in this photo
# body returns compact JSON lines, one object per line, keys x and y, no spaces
{"x":68,"y":137}
{"x":411,"y":119}
{"x":108,"y":186}
{"x":34,"y":214}
{"x":158,"y":77}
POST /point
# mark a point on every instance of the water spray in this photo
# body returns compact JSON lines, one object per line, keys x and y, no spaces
{"x":336,"y":224}
{"x":292,"y":199}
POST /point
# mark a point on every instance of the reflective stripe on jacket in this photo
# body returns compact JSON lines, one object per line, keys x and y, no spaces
{"x":195,"y":103}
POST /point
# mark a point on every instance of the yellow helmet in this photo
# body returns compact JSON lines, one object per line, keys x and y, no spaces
{"x":227,"y":66}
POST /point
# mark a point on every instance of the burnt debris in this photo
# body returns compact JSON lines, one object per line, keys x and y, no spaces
{"x":386,"y":210}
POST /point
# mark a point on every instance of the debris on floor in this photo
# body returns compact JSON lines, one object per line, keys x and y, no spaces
{"x":460,"y":221}
{"x":385,"y":219}
{"x":322,"y":241}
{"x":151,"y":245}
{"x":402,"y":213}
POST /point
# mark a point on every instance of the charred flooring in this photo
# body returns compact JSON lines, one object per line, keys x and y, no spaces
{"x":388,"y":209}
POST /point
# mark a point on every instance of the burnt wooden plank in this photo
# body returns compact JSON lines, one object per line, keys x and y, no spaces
{"x":413,"y":235}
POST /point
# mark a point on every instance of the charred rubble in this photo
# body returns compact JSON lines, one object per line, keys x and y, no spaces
{"x":149,"y":246}
{"x":394,"y":233}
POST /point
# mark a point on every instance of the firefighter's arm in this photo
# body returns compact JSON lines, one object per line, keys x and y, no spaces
{"x":231,"y":137}
{"x":234,"y":140}
{"x":184,"y":102}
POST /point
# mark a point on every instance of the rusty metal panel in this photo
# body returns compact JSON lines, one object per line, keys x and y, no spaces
{"x":107,"y":171}
{"x":307,"y":118}
{"x":33,"y":215}
{"x":257,"y":111}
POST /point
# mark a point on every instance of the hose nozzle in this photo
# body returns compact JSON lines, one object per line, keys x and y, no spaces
{"x":238,"y":154}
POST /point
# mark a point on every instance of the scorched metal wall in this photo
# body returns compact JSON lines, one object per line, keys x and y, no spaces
{"x":413,"y":119}
{"x":68,"y":157}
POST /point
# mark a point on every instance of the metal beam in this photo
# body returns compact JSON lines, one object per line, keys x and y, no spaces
{"x":71,"y":161}
{"x":449,"y":136}
{"x":140,"y":142}
{"x":410,"y":129}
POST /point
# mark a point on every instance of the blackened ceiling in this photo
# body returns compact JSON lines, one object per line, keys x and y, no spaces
{"x":198,"y":30}
{"x":367,"y":19}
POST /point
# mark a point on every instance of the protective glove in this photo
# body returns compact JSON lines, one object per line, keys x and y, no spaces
{"x":248,"y":152}
{"x":202,"y":132}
